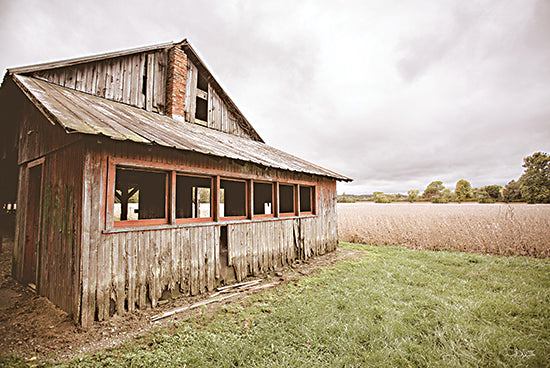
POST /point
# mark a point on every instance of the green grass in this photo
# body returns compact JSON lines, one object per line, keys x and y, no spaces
{"x":393,"y":308}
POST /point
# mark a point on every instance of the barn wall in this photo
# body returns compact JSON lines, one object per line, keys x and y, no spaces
{"x":58,"y":250}
{"x":220,"y":116}
{"x":37,"y":136}
{"x":124,"y":269}
{"x":41,"y":143}
{"x":137,"y":79}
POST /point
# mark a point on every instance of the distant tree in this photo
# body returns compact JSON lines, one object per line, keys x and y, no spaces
{"x":494,"y":191}
{"x":345,"y":199}
{"x":413,"y":195}
{"x":380,"y":197}
{"x":482,"y":196}
{"x":433,"y":189}
{"x":204,"y":195}
{"x":447,"y":195}
{"x":463,"y":190}
{"x":512,"y":191}
{"x":535,"y":181}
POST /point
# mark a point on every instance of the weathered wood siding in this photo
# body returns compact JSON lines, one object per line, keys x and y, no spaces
{"x":125,"y":269}
{"x":38,"y":137}
{"x":137,"y":79}
{"x":220,"y":116}
{"x":58,"y":250}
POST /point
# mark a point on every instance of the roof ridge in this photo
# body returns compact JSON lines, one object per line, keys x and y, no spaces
{"x":87,"y":59}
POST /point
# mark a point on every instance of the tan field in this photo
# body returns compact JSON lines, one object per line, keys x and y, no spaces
{"x":503,"y":229}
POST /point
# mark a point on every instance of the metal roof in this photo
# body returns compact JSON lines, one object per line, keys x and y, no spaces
{"x":87,"y":59}
{"x":79,"y":112}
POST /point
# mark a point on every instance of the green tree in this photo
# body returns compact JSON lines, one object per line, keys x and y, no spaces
{"x":447,"y":196}
{"x":413,"y":195}
{"x":380,"y":197}
{"x":482,"y":196}
{"x":345,"y":199}
{"x":494,"y":191}
{"x":463,"y":190}
{"x":512,"y":191}
{"x":433,"y":189}
{"x":535,"y":181}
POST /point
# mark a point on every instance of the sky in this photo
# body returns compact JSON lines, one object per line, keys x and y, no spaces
{"x":394,"y":94}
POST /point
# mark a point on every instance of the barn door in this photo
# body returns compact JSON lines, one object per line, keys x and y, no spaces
{"x":33,"y":219}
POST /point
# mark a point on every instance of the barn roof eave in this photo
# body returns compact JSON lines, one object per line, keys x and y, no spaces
{"x":78,"y":112}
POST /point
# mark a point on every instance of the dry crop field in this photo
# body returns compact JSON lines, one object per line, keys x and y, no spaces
{"x":501,"y":229}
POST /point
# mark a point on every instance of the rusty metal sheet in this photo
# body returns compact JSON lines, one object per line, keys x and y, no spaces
{"x":87,"y":114}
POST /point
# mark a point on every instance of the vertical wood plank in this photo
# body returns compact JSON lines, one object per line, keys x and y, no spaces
{"x":150,"y":82}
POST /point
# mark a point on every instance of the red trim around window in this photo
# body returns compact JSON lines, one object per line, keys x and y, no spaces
{"x":216,"y":176}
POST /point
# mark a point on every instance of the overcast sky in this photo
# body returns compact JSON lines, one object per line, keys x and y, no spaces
{"x":394,"y":94}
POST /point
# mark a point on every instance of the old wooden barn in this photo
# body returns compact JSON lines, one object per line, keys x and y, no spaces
{"x":136,"y":178}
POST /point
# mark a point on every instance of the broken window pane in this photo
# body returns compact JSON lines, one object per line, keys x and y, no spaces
{"x":202,"y":109}
{"x":263,"y":198}
{"x":286,"y":198}
{"x":193,"y":197}
{"x":232,"y":198}
{"x":139,"y":195}
{"x":202,"y":82}
{"x":305,"y":198}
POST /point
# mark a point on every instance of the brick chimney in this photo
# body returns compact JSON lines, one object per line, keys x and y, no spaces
{"x":176,"y":83}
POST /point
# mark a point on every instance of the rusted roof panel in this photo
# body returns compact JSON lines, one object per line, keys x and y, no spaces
{"x":83,"y":113}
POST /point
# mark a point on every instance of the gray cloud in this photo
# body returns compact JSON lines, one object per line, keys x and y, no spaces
{"x":392,"y":94}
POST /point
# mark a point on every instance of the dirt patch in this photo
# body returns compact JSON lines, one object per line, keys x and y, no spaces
{"x":31,"y":326}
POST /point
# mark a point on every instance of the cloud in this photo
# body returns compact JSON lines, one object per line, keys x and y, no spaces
{"x":392,"y":94}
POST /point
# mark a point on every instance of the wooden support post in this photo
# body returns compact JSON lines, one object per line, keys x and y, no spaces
{"x":172,"y":201}
{"x":297,"y":200}
{"x":250,"y":199}
{"x":215,"y":201}
{"x":197,"y":203}
{"x":276,"y":199}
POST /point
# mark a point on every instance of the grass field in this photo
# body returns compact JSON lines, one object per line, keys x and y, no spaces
{"x":501,"y":229}
{"x":393,"y":307}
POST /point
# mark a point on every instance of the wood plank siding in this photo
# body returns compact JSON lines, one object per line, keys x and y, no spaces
{"x":130,"y":268}
{"x":137,"y":79}
{"x":58,"y":211}
{"x":140,"y":80}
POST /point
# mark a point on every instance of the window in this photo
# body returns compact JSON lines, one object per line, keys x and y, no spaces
{"x":233,"y":198}
{"x":202,"y":109}
{"x":286,"y":199}
{"x":193,"y":197}
{"x":306,"y":195}
{"x":263,"y":198}
{"x":148,"y":195}
{"x":139,"y":195}
{"x":201,"y":101}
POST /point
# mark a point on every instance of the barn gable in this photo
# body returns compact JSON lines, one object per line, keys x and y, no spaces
{"x":168,"y":79}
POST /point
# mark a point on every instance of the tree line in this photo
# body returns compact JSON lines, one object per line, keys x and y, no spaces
{"x":533,"y":186}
